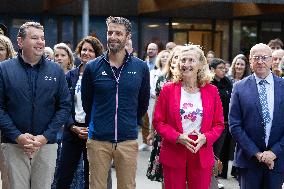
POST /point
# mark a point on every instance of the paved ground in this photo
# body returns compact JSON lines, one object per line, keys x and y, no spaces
{"x":143,"y":183}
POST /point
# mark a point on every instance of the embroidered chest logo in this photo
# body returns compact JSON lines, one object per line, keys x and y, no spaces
{"x":104,"y":73}
{"x":49,"y":78}
{"x":133,"y":73}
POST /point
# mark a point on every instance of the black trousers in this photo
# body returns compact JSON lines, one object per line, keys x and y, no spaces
{"x":70,"y":156}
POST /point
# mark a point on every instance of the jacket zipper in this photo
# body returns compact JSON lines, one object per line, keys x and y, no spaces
{"x":116,"y":104}
{"x":116,"y":99}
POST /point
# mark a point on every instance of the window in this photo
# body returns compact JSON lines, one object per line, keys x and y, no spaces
{"x":221,"y":39}
{"x":245,"y":36}
{"x":50,"y":31}
{"x":153,"y":30}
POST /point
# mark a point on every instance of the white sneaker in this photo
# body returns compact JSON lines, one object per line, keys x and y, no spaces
{"x":144,"y":147}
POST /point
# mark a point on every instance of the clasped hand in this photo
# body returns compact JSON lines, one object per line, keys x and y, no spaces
{"x":190,"y":144}
{"x":31,"y":143}
{"x":266,"y":157}
{"x":82,"y":132}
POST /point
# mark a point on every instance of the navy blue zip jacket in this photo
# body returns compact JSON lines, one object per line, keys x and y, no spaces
{"x":40,"y":113}
{"x":113,"y":107}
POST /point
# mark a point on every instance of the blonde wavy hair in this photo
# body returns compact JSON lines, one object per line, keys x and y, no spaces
{"x":158,"y":63}
{"x":69,"y":52}
{"x":167,"y":71}
{"x":204,"y":76}
{"x":6,"y":42}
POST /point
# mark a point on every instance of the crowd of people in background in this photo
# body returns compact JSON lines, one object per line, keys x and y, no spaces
{"x":67,"y":117}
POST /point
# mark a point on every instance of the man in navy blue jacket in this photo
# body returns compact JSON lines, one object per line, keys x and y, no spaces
{"x":115,"y":95}
{"x":34,"y":104}
{"x":257,"y":124}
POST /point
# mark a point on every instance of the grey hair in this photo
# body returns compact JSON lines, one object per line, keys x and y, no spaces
{"x":120,"y":20}
{"x":23,"y":29}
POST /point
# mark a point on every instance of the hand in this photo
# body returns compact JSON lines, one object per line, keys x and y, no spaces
{"x":200,"y":141}
{"x":28,"y":143}
{"x":30,"y":149}
{"x":41,"y":140}
{"x":187,"y":142}
{"x":268,"y":158}
{"x":258,"y":155}
{"x":82,"y":132}
{"x":150,"y":138}
{"x":24,"y":139}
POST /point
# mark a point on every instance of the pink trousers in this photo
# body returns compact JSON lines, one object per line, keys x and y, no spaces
{"x":192,"y":175}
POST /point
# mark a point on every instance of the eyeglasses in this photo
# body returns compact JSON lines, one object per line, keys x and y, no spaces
{"x":221,"y":68}
{"x":264,"y":58}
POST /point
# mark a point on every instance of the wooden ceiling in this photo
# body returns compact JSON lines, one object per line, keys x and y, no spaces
{"x":153,"y":8}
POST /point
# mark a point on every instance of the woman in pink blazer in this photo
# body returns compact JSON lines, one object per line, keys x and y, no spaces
{"x":189,"y":117}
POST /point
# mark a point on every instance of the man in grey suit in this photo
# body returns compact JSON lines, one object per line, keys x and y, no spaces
{"x":256,"y":122}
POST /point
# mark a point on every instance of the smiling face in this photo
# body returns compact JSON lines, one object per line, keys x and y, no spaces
{"x":189,"y":64}
{"x":87,"y":53}
{"x":33,"y":43}
{"x":116,"y":37}
{"x":62,"y":58}
{"x":164,"y":58}
{"x":240,"y":66}
{"x":260,"y":60}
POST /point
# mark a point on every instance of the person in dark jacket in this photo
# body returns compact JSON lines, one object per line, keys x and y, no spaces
{"x":115,"y":95}
{"x":75,"y":135}
{"x":224,"y":85}
{"x":34,"y":104}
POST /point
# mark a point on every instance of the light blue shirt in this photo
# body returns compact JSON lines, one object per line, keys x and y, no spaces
{"x":269,"y":85}
{"x":151,"y":64}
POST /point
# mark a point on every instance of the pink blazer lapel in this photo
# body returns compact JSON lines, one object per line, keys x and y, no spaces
{"x":177,"y":93}
{"x":205,"y":97}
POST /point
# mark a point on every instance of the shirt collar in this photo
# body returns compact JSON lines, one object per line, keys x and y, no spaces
{"x":268,"y":79}
{"x":27,"y":64}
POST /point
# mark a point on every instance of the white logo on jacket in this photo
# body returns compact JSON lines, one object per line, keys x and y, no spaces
{"x":47,"y":78}
{"x":104,"y":73}
{"x":132,"y":73}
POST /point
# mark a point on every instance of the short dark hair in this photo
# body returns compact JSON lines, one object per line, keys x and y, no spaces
{"x":23,"y":29}
{"x":215,"y":62}
{"x":96,"y":44}
{"x":120,"y":20}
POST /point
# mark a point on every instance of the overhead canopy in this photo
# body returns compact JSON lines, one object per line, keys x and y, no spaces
{"x":155,"y":8}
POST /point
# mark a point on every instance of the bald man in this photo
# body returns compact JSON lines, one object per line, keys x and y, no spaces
{"x":170,"y":46}
{"x":152,"y":52}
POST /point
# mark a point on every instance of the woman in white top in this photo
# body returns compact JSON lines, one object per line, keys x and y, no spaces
{"x":160,"y":63}
{"x":75,"y":135}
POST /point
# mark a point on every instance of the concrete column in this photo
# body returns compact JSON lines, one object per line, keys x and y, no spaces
{"x":85,"y":18}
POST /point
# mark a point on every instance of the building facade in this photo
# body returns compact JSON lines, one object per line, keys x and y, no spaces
{"x":226,"y":27}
